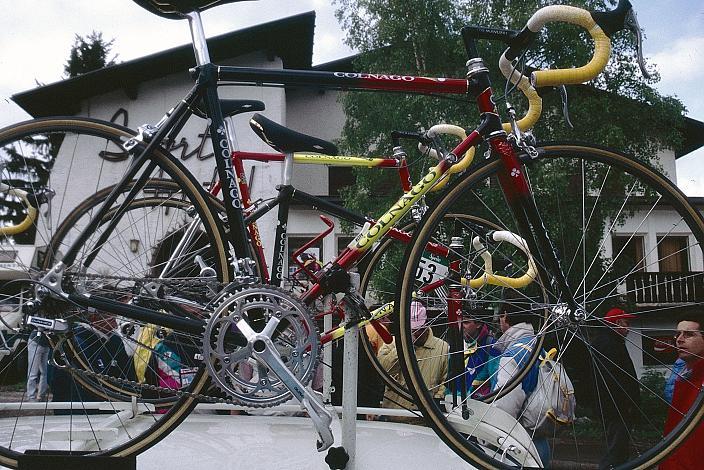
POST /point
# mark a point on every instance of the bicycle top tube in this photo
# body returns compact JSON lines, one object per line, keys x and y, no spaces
{"x":343,"y":80}
{"x":319,"y":159}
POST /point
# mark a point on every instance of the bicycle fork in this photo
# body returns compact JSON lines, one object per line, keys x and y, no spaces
{"x":519,"y":197}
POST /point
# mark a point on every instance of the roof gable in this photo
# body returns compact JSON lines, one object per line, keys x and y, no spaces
{"x":289,"y":38}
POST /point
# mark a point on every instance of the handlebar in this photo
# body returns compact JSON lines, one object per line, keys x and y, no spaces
{"x":461,"y":165}
{"x":32,"y":211}
{"x":579,"y":17}
{"x":488,"y":277}
{"x":600,"y":25}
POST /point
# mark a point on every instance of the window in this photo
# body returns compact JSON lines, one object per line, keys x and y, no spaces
{"x":672,"y":254}
{"x":629,"y":249}
{"x":342,"y":242}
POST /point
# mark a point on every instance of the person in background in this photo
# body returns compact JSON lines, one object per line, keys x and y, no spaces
{"x":617,"y":387}
{"x":515,"y":347}
{"x":478,"y":342}
{"x":688,"y":384}
{"x":431,"y":354}
{"x":37,"y":363}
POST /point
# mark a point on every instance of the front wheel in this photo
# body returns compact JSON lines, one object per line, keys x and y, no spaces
{"x":626,"y":239}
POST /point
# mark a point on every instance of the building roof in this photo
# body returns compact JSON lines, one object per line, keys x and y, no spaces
{"x":290,"y":38}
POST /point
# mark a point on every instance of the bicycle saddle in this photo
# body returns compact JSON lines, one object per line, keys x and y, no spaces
{"x":286,"y":140}
{"x":175,"y":9}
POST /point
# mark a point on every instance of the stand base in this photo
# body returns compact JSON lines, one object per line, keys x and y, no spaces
{"x":61,"y":460}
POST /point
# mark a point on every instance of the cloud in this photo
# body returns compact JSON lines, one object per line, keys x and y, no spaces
{"x":690,"y":177}
{"x":681,"y":61}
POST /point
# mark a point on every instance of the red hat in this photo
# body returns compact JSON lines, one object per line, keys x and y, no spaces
{"x":618,"y":314}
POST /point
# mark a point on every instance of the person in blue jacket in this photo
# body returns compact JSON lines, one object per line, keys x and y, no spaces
{"x":479,"y":362}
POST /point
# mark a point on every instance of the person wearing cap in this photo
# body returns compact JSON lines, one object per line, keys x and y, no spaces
{"x":687,"y":387}
{"x":617,"y":390}
{"x":431,"y":354}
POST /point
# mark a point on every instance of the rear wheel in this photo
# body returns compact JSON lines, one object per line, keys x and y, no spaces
{"x":157,"y":210}
{"x":122,"y":264}
{"x":625,"y":235}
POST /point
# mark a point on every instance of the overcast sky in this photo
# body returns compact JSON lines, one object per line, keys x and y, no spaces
{"x":36,"y":36}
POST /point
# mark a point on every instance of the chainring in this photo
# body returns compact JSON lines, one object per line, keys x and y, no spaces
{"x":228,"y":355}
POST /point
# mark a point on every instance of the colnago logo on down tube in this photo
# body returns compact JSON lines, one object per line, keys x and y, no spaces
{"x":397,"y":210}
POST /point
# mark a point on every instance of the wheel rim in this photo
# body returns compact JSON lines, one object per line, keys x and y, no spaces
{"x":129,"y":253}
{"x":635,"y":197}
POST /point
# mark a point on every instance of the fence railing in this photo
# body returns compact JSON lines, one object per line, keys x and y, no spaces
{"x":665,"y":288}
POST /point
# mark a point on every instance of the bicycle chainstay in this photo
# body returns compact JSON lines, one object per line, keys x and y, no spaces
{"x":139,"y":284}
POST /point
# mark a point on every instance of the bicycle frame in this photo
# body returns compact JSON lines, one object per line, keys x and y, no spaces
{"x":209,"y":77}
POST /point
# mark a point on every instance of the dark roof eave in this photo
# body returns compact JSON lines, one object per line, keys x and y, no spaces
{"x":290,"y":38}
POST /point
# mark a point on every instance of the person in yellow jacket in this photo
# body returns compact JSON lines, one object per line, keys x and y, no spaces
{"x":431,"y":354}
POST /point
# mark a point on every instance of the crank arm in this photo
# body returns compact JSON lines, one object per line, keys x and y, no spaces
{"x":265,"y":352}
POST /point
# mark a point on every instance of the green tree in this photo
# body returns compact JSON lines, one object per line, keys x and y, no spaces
{"x":88,"y":53}
{"x":421,"y":37}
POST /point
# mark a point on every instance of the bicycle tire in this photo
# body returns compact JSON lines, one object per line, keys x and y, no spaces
{"x":157,"y":187}
{"x":77,"y":140}
{"x":617,"y":195}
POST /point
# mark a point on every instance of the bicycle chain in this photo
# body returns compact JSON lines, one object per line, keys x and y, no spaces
{"x":155,"y":388}
{"x":140,"y":282}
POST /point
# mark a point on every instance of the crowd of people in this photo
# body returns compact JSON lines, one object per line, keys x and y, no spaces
{"x":493,"y":358}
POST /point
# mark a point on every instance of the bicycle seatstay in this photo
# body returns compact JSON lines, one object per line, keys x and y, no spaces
{"x":177,"y":114}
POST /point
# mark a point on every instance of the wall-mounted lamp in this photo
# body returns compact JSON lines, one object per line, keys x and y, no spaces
{"x":134,"y":245}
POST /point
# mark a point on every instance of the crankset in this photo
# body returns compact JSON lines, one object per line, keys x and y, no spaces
{"x":261,"y":348}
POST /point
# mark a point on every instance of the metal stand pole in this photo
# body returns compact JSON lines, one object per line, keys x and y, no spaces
{"x":349,"y":391}
{"x":327,"y":359}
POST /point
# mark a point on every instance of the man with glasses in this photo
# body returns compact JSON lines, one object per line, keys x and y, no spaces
{"x":688,"y":385}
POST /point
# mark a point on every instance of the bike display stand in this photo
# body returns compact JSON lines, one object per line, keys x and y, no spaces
{"x":61,"y":460}
{"x":349,"y":390}
{"x":343,"y":457}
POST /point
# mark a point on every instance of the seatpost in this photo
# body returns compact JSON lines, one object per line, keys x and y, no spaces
{"x":200,"y":45}
{"x":287,"y":169}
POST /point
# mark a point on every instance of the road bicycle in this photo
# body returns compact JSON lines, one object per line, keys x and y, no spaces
{"x":159,"y":200}
{"x":268,"y":334}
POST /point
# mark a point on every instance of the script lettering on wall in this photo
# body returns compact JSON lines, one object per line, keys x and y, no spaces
{"x":116,"y":154}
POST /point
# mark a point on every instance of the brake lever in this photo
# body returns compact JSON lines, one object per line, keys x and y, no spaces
{"x":565,"y":107}
{"x":632,"y":24}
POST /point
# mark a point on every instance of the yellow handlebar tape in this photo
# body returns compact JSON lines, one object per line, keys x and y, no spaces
{"x":579,"y":17}
{"x":535,"y":102}
{"x":28,"y":221}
